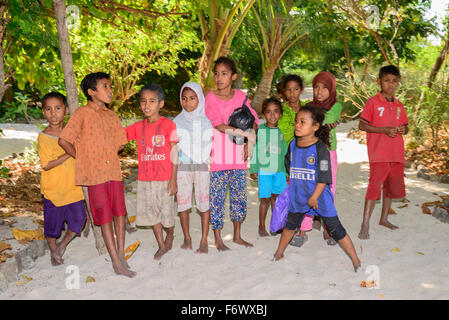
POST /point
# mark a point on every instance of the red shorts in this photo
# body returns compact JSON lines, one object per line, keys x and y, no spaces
{"x":390,"y":175}
{"x":106,"y":200}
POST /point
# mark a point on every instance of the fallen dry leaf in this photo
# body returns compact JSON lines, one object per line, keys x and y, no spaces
{"x":392,"y":211}
{"x":405,"y":200}
{"x":28,"y":235}
{"x":403,"y":206}
{"x":5,"y":256}
{"x":368,"y":284}
{"x":4,"y":246}
{"x":132,"y":219}
{"x":420,"y":253}
{"x":90,"y":279}
{"x":425,"y":209}
{"x":131,"y":248}
{"x":395,"y":250}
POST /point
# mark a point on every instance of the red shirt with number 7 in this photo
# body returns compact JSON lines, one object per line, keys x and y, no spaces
{"x":379,"y":112}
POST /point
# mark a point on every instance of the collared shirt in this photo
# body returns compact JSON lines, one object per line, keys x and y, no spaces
{"x":97,"y":134}
{"x":379,"y":112}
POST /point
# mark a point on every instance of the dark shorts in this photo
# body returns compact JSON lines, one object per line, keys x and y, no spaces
{"x":106,"y":200}
{"x":333,"y":225}
{"x":54,"y":217}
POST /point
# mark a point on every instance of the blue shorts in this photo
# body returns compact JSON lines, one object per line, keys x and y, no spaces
{"x":271,"y":183}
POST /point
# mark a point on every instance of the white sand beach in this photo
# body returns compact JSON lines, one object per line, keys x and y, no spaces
{"x":411,"y":262}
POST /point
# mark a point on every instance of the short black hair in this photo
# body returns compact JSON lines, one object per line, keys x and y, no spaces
{"x":292,"y":77}
{"x":228,"y":62}
{"x":269,"y":100}
{"x":391,"y":69}
{"x":155,"y":88}
{"x":90,"y":82}
{"x":54,"y":95}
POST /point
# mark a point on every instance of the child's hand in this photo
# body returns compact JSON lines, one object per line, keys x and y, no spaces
{"x":391,"y":131}
{"x":402,"y":129}
{"x":172,"y":187}
{"x":313,"y":202}
{"x":332,"y":125}
{"x":253,"y":176}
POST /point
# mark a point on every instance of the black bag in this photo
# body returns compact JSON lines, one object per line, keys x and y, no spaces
{"x":241,"y":118}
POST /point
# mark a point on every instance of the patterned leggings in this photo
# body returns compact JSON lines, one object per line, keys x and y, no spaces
{"x":219,"y":182}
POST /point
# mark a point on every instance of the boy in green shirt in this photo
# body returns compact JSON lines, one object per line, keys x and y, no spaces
{"x":267,"y":163}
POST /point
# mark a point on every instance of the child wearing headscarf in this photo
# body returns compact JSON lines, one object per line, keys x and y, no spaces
{"x":195,"y":142}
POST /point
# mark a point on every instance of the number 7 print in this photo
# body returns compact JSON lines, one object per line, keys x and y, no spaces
{"x":381,"y":109}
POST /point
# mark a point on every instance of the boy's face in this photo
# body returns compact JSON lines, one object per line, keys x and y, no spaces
{"x":304,"y":126}
{"x":388,"y":84}
{"x":272,"y":113}
{"x":150,"y":104}
{"x":54,"y":111}
{"x":103,"y":92}
{"x":189,"y":100}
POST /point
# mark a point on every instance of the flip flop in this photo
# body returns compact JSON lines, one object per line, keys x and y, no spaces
{"x":298,"y":241}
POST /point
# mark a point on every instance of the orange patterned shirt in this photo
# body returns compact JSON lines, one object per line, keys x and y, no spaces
{"x":97,"y":134}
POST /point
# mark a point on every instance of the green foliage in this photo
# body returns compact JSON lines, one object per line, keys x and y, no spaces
{"x":18,"y":109}
{"x":3,"y":171}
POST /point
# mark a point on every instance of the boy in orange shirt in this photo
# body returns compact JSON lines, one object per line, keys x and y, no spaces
{"x":94,"y":136}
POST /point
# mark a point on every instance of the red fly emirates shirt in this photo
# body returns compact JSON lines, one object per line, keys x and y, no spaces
{"x":378,"y":112}
{"x":153,"y":148}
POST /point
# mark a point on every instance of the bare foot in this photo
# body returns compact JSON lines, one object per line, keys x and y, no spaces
{"x":158,"y":255}
{"x":364,"y":234}
{"x":124,"y":263}
{"x":277,"y":256}
{"x":242,"y":242}
{"x":55,"y":259}
{"x":121,"y":270}
{"x":263,"y":232}
{"x":221,"y":246}
{"x":388,"y":225}
{"x":203,"y":248}
{"x":187,"y":244}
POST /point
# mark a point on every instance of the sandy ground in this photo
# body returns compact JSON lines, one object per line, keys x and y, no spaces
{"x":409,"y":263}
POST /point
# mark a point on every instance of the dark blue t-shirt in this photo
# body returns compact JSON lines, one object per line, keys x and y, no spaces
{"x":308,"y":166}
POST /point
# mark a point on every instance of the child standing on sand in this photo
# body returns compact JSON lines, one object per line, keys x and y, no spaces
{"x":267,"y":163}
{"x":229,"y":161}
{"x":307,"y":160}
{"x":157,"y":154}
{"x":94,"y":136}
{"x":385,"y":122}
{"x":195,"y":142}
{"x":63,"y":200}
{"x":324,"y":97}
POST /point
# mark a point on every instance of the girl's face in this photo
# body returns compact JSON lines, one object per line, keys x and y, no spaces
{"x":320,"y":92}
{"x":54,"y":111}
{"x":150,"y":104}
{"x":272,"y":113}
{"x":223,"y":76}
{"x":304,"y":124}
{"x":292,"y":91}
{"x":189,"y":100}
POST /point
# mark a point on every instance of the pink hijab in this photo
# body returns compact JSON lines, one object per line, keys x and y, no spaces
{"x":328,"y":80}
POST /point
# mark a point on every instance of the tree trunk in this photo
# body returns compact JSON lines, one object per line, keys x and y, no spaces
{"x":438,"y":63}
{"x":263,"y":89}
{"x":3,"y":86}
{"x":348,"y":57}
{"x":66,"y":54}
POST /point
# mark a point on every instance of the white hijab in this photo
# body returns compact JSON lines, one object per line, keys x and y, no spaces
{"x":194,"y":128}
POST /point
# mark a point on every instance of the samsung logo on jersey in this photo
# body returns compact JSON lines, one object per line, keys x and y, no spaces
{"x":302,"y":174}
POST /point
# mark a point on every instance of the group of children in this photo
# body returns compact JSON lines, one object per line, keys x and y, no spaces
{"x":295,"y":148}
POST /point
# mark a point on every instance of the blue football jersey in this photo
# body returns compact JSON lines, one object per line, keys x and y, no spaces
{"x":308,"y":166}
